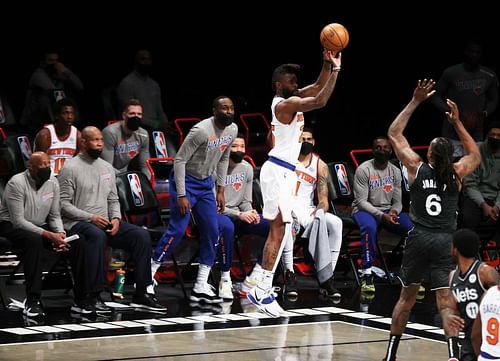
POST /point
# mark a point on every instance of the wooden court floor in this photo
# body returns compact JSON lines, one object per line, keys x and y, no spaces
{"x":324,"y":333}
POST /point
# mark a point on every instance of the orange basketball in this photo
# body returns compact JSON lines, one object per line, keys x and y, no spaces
{"x":334,"y":37}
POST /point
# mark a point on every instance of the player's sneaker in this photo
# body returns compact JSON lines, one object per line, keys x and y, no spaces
{"x":204,"y":292}
{"x":247,"y":285}
{"x":421,"y":293}
{"x":328,"y":289}
{"x":265,"y":301}
{"x":290,"y":286}
{"x":226,"y":290}
{"x":367,"y":285}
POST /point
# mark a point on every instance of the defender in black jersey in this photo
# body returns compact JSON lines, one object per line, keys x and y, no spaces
{"x":468,"y":281}
{"x":434,"y":189}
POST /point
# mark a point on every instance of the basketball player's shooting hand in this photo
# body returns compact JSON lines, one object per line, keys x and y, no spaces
{"x":334,"y":58}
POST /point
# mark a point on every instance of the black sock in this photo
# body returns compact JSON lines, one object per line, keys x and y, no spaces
{"x":392,"y":348}
{"x":453,"y":347}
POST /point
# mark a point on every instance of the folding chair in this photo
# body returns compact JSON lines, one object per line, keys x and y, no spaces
{"x":140,"y":206}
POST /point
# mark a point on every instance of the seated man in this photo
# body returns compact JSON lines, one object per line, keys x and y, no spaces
{"x":30,"y":217}
{"x":90,"y":207}
{"x":377,"y":201}
{"x":239,"y":215}
{"x":126,"y":142}
{"x":481,"y":200}
{"x":59,"y":140}
{"x":312,"y":174}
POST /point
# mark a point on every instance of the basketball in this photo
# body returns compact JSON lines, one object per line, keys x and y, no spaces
{"x":334,"y":37}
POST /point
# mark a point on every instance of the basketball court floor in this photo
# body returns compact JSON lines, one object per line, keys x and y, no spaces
{"x":313,"y":328}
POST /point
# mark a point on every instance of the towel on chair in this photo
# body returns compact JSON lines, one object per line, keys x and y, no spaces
{"x":319,"y":246}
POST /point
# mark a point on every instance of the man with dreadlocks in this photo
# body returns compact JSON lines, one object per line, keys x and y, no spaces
{"x":434,"y":191}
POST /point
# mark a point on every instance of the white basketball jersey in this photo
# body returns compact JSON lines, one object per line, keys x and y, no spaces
{"x":286,"y":136}
{"x":306,"y":181}
{"x":59,"y":150}
{"x":490,"y":322}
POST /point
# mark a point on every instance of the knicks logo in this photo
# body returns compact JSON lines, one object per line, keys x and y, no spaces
{"x":136,"y":189}
{"x":236,"y":186}
{"x":388,"y":188}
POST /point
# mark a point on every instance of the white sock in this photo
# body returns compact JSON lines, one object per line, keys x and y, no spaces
{"x":154,"y":267}
{"x":203,"y":272}
{"x":225,"y":276}
{"x":267,"y":279}
{"x":256,"y":272}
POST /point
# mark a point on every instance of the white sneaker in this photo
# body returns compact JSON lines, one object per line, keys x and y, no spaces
{"x":265,"y":301}
{"x":247,"y":285}
{"x":204,"y":292}
{"x":226,"y":290}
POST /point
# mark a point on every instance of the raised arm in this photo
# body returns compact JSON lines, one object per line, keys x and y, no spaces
{"x":286,"y":109}
{"x":468,"y":163}
{"x":400,"y":144}
{"x":313,"y":89}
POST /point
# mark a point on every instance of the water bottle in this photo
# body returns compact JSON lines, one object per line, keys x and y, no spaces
{"x":119,"y":283}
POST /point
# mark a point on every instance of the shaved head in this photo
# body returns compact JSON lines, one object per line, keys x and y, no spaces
{"x":89,"y":132}
{"x":38,"y":158}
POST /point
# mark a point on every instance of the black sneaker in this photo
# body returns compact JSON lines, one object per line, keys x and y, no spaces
{"x":100,"y":306}
{"x":290,"y":286}
{"x":327,"y":289}
{"x":84,"y":307}
{"x":147,"y":301}
{"x":33,"y":308}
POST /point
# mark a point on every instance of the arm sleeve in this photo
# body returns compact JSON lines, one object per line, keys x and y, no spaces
{"x":471,"y":184}
{"x":14,"y":200}
{"x":67,"y":187}
{"x":222,"y":166}
{"x":108,"y":151}
{"x":397,"y":202}
{"x":113,"y":202}
{"x":72,"y":80}
{"x":54,"y":219}
{"x":186,"y":151}
{"x":360,"y":188}
{"x":144,"y":156}
{"x":246,"y":204}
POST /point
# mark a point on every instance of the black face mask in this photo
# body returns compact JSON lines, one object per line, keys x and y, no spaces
{"x":236,"y":157}
{"x":381,"y":156}
{"x":42,"y":175}
{"x":94,"y":153}
{"x":50,"y":69}
{"x":494,"y":143}
{"x":133,"y":123}
{"x":225,"y":119}
{"x":143,"y":69}
{"x":306,"y":148}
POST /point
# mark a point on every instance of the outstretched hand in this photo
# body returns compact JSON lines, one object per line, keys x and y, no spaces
{"x":424,"y":91}
{"x":452,"y":115}
{"x":334,"y":58}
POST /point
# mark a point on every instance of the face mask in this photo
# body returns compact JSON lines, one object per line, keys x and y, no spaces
{"x":94,"y":153}
{"x":225,"y":119}
{"x":43,"y":175}
{"x":306,"y":148}
{"x":236,"y":157}
{"x":133,"y":123}
{"x":381,"y":156}
{"x":143,"y":69}
{"x":50,"y":69}
{"x":494,"y":143}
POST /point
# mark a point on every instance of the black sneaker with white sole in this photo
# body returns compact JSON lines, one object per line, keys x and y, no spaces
{"x":84,"y":307}
{"x":148,"y":302}
{"x":100,"y":306}
{"x":33,"y":308}
{"x":328,"y":289}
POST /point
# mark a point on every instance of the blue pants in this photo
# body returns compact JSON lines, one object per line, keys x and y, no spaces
{"x":201,"y":196}
{"x":368,"y":225}
{"x":131,"y":238}
{"x":227,"y":226}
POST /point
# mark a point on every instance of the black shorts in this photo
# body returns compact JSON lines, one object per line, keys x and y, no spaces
{"x":427,"y":253}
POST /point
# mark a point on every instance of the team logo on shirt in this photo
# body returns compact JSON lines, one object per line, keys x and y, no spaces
{"x":236,"y":180}
{"x":127,"y":148}
{"x":222,"y":143}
